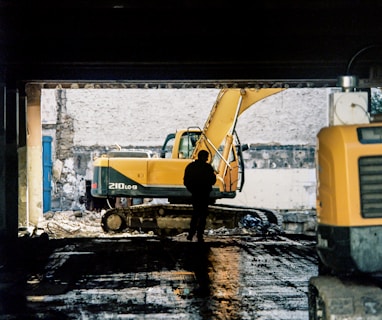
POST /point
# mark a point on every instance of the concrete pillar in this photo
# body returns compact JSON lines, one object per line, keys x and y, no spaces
{"x":3,"y":207}
{"x":23,"y":187}
{"x":8,"y":164}
{"x":34,"y":154}
{"x":12,"y":125}
{"x":22,"y":162}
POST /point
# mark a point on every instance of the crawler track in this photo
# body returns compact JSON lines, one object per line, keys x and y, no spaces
{"x":171,"y":219}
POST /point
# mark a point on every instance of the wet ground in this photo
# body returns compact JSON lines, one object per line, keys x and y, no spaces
{"x":150,"y":277}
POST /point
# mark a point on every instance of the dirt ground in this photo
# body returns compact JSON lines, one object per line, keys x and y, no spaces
{"x":233,"y":275}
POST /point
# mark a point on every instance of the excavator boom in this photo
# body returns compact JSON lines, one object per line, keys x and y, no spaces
{"x":229,"y":105}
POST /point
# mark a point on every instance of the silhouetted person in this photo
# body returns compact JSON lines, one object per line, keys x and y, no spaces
{"x":199,"y":177}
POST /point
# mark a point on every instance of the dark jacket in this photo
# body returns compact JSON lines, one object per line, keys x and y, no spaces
{"x":199,"y":177}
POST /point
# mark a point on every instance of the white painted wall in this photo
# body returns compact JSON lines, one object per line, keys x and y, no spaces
{"x":282,"y":189}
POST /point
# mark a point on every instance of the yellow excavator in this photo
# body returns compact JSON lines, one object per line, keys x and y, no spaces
{"x":117,"y":175}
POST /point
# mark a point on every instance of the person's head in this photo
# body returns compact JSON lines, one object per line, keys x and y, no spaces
{"x":203,"y":155}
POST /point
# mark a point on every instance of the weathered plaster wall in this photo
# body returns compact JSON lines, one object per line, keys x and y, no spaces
{"x":281,"y":131}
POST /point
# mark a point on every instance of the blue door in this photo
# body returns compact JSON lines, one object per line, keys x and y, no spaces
{"x":47,"y":172}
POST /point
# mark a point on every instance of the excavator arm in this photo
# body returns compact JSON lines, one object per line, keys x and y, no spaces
{"x":217,"y":136}
{"x":229,"y":105}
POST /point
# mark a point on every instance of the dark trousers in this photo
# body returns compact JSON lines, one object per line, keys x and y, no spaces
{"x":199,"y":216}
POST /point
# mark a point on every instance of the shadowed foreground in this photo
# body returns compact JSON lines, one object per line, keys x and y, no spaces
{"x":235,"y":277}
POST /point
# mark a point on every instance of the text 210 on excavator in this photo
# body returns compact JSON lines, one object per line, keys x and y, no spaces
{"x":163,"y":177}
{"x":117,"y":175}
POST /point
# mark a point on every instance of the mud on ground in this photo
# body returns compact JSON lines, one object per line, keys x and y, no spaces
{"x":233,"y":275}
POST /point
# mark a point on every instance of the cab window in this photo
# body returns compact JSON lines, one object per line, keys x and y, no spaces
{"x":187,"y":144}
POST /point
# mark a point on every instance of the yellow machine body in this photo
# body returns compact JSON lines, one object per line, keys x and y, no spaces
{"x":349,"y":197}
{"x":163,"y":177}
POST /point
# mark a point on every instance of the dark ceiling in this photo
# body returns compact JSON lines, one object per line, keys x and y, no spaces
{"x":189,"y":40}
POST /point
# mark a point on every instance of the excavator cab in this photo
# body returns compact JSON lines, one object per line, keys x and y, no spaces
{"x":187,"y":144}
{"x":227,"y":160}
{"x":181,"y":147}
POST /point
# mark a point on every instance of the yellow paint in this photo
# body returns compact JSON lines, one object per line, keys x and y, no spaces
{"x":338,"y":185}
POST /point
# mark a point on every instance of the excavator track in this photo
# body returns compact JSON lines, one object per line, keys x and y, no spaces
{"x":172,"y":219}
